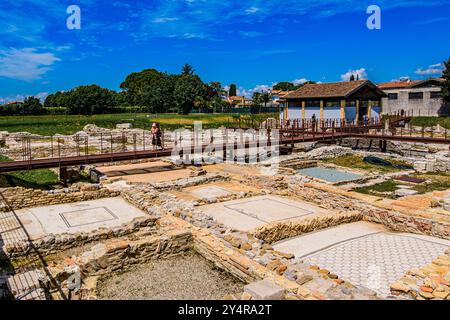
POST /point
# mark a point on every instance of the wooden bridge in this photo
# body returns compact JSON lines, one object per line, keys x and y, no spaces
{"x":291,"y":132}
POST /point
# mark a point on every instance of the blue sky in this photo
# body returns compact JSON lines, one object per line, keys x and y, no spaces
{"x":252,"y":43}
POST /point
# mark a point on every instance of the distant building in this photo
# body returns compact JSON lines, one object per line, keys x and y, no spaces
{"x":340,"y":100}
{"x":277,"y":96}
{"x":11,"y":103}
{"x":414,"y":97}
{"x":239,"y":101}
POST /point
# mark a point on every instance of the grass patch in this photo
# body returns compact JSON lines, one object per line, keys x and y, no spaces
{"x":357,"y":162}
{"x":70,"y":124}
{"x":35,"y":179}
{"x":386,"y":189}
{"x":431,"y":121}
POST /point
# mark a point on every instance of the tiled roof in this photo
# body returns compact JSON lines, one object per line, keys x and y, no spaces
{"x":404,"y":84}
{"x":327,"y":90}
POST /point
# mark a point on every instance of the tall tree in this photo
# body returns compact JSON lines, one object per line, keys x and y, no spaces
{"x":32,"y":105}
{"x":352,"y":78}
{"x":187,"y":89}
{"x":265,"y":97}
{"x":89,"y":100}
{"x":446,"y":83}
{"x":151,"y":89}
{"x":187,"y":70}
{"x":284,"y":86}
{"x":232,"y":92}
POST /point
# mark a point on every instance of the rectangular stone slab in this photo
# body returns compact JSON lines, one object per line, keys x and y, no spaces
{"x":247,"y":214}
{"x":210,"y":192}
{"x":77,"y":217}
{"x":264,"y":290}
{"x":87,"y":216}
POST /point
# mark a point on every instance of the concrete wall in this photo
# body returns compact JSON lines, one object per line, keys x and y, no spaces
{"x":376,"y":112}
{"x":295,"y":113}
{"x":350,"y":113}
{"x":332,"y":112}
{"x":426,"y":107}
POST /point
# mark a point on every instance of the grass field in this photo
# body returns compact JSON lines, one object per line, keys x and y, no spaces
{"x":386,"y":189}
{"x":357,"y":162}
{"x":69,"y":124}
{"x":37,"y":179}
{"x":431,"y":121}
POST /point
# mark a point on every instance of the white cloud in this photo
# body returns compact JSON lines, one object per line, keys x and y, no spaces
{"x":164,"y":20}
{"x":20,"y":97}
{"x":434,"y":69}
{"x":300,"y":81}
{"x":404,"y":78}
{"x":252,"y":10}
{"x":25,"y":64}
{"x":359,"y":72}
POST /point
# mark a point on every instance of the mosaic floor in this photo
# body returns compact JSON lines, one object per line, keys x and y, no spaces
{"x":374,"y":260}
{"x":69,"y":218}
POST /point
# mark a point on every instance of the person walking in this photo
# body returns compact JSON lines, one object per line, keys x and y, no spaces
{"x":156,"y":136}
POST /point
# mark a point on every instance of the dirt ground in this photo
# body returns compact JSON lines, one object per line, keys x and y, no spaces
{"x":188,"y":277}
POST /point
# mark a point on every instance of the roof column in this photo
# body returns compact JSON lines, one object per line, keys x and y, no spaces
{"x":321,"y":109}
{"x":357,"y":111}
{"x":369,"y":109}
{"x":303,"y":110}
{"x":343,"y":109}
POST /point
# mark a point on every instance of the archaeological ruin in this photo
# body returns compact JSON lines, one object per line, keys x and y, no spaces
{"x":328,"y":222}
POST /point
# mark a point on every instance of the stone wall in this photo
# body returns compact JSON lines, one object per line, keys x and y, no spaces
{"x":104,"y":258}
{"x":274,"y":232}
{"x":190,"y":182}
{"x":429,"y":282}
{"x":19,"y":197}
{"x":403,"y":223}
{"x":51,"y":243}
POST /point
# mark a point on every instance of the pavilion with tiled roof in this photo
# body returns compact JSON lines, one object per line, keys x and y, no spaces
{"x":339,"y":100}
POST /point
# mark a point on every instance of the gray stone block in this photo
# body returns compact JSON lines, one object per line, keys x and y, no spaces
{"x":265,"y":290}
{"x":405,"y":192}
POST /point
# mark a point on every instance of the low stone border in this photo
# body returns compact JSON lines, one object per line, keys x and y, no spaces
{"x":283,"y":230}
{"x":51,"y":244}
{"x":19,"y":198}
{"x":112,"y":256}
{"x":301,"y":281}
{"x":429,"y":282}
{"x":403,"y":223}
{"x":190,"y":182}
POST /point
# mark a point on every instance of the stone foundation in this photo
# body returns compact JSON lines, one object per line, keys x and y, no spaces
{"x":19,"y":197}
{"x":403,"y":223}
{"x":52,"y":244}
{"x":283,"y":230}
{"x":113,"y":256}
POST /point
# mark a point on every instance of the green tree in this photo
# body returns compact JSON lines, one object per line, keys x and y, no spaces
{"x":446,"y":83}
{"x":352,"y":77}
{"x":200,"y":103}
{"x":232,"y":92}
{"x":284,"y":86}
{"x":187,"y":89}
{"x":89,"y":100}
{"x":265,"y":97}
{"x":187,"y":70}
{"x":32,"y":105}
{"x":149,"y":88}
{"x":257,"y":99}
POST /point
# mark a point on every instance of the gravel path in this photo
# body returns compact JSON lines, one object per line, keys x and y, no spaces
{"x":188,"y":277}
